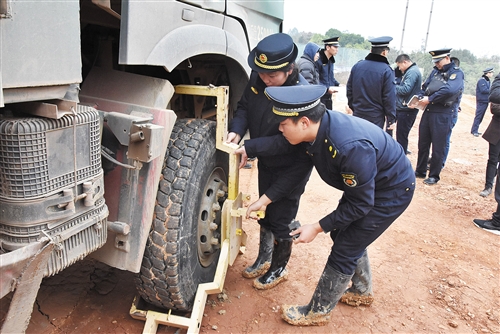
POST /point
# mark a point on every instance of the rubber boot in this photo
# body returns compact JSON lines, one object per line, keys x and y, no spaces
{"x":360,"y":292}
{"x":330,"y":288}
{"x":263,"y":262}
{"x":277,"y":273}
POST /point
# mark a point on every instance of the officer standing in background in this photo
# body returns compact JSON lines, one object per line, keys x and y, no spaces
{"x":482,"y":93}
{"x":325,"y":65}
{"x":410,"y":85}
{"x":371,"y":90}
{"x":493,"y":225}
{"x":492,"y":136}
{"x":456,"y":110}
{"x":377,"y":180}
{"x":282,"y":178}
{"x":439,"y":95}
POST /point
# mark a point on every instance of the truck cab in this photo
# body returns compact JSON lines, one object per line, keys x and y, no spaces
{"x":104,"y":150}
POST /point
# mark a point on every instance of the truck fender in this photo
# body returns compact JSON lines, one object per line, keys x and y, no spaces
{"x":193,"y":40}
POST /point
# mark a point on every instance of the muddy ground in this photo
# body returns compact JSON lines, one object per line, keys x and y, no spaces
{"x":434,"y":271}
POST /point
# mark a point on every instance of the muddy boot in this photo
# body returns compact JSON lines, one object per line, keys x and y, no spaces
{"x":263,"y":262}
{"x":360,"y":292}
{"x":330,"y":288}
{"x":277,"y":272}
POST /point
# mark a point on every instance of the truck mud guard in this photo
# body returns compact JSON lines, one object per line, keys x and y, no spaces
{"x":28,"y":265}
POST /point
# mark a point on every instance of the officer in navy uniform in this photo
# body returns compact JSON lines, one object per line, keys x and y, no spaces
{"x":482,"y":93}
{"x":492,"y":134}
{"x":439,"y":95}
{"x":325,"y":65}
{"x":371,"y":168}
{"x":282,"y":178}
{"x":371,"y":88}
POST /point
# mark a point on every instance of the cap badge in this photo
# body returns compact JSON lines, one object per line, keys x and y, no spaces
{"x":263,"y":58}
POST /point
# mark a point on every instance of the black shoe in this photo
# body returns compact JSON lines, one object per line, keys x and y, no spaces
{"x":430,"y":181}
{"x":420,"y":175}
{"x":488,"y":225}
{"x":408,"y":152}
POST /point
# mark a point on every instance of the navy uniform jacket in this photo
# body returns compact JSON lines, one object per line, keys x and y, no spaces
{"x":443,"y":87}
{"x":371,"y":90}
{"x":357,"y":157}
{"x":325,"y":68}
{"x":495,"y":90}
{"x":254,"y":113}
{"x":492,"y":133}
{"x":483,"y":89}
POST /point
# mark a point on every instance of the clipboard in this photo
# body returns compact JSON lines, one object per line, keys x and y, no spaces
{"x":415,"y":103}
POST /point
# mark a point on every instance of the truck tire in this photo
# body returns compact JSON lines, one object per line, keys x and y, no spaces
{"x":183,"y":246}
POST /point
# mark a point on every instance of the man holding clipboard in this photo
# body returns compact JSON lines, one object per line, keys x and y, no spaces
{"x":410,"y":85}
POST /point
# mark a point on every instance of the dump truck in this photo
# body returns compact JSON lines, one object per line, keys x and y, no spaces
{"x":112,"y":123}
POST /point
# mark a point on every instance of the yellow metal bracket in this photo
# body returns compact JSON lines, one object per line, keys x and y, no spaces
{"x":241,"y":212}
{"x":192,"y":324}
{"x":233,"y":238}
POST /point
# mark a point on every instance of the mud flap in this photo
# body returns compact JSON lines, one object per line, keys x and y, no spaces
{"x":21,"y":306}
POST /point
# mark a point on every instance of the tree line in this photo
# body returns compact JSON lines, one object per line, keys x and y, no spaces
{"x":471,"y":65}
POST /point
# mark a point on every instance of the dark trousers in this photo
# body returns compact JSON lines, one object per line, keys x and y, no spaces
{"x":447,"y":149}
{"x":433,"y":130}
{"x":405,"y":121}
{"x":280,"y":213}
{"x":480,"y":110}
{"x":350,"y":243}
{"x":496,"y":214}
{"x":492,"y":165}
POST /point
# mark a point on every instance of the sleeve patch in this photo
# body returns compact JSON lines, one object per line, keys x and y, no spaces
{"x":350,"y":180}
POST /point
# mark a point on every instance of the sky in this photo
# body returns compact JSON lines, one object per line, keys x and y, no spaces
{"x":457,"y":24}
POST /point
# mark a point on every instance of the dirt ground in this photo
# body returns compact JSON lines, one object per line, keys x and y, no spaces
{"x":434,"y":271}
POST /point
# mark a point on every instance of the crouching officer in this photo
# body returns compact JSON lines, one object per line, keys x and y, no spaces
{"x":357,"y":157}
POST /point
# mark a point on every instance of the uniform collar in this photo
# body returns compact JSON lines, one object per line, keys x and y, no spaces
{"x":446,"y":67}
{"x":324,"y":59}
{"x":324,"y":127}
{"x":376,"y":57}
